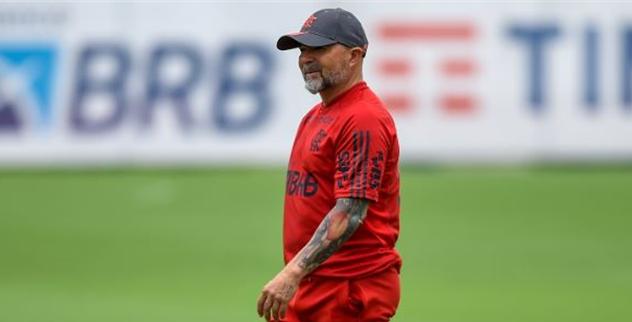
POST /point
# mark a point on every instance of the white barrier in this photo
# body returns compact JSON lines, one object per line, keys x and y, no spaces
{"x":104,"y":84}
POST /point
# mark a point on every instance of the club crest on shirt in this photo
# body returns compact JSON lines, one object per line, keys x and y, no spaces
{"x":317,"y":140}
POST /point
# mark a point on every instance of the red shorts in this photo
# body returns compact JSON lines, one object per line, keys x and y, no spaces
{"x":369,"y":299}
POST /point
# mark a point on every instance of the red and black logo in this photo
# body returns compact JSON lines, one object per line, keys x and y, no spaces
{"x":316,"y":140}
{"x":309,"y":22}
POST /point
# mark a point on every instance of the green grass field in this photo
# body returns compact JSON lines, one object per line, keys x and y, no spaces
{"x":479,"y":245}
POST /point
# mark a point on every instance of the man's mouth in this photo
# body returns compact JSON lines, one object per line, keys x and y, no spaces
{"x":312,"y":74}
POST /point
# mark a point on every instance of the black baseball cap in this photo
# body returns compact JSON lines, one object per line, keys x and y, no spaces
{"x":327,"y":27}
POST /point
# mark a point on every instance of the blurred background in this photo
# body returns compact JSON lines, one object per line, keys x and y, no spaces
{"x":143,"y":145}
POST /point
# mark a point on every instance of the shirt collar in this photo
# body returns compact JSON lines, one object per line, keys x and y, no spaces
{"x":353,"y":89}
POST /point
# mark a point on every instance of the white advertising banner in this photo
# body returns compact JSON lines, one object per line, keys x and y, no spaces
{"x":203,"y":83}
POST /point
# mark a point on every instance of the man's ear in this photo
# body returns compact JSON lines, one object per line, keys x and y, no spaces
{"x":357,"y":54}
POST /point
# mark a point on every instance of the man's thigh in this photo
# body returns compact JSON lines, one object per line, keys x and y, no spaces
{"x":377,"y":296}
{"x":321,"y":300}
{"x":371,"y":299}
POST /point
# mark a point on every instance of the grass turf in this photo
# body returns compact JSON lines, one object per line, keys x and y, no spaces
{"x":197,"y":245}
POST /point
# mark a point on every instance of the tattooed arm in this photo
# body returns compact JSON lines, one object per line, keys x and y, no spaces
{"x":339,"y":224}
{"x":336,"y":228}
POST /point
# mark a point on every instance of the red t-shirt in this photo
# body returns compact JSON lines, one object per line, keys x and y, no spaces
{"x":348,"y":148}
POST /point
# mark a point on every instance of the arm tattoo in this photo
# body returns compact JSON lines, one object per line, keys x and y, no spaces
{"x":337,"y":227}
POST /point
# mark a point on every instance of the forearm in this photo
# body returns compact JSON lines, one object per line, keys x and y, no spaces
{"x":336,"y":228}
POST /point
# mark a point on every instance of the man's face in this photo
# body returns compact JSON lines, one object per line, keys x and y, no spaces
{"x":324,"y":67}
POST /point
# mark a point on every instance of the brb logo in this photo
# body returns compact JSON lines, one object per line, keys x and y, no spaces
{"x":26,"y":79}
{"x":126,"y":89}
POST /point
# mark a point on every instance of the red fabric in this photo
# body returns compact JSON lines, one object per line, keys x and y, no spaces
{"x":348,"y":148}
{"x":370,"y":299}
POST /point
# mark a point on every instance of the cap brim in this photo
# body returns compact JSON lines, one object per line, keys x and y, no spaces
{"x":302,"y":39}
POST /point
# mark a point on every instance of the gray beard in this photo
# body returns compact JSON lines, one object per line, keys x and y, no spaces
{"x":317,"y":85}
{"x":314,"y":85}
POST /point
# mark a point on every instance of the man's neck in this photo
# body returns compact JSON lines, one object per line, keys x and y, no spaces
{"x":331,"y":93}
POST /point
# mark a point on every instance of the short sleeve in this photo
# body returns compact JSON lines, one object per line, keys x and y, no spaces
{"x":361,"y":149}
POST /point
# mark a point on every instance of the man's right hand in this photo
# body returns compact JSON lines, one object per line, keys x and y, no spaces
{"x":276,"y":295}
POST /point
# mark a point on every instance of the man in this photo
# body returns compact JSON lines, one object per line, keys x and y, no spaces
{"x":341,"y":213}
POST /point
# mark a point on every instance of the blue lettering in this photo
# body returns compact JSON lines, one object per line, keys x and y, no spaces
{"x":535,"y":39}
{"x":157,"y":88}
{"x":627,"y":69}
{"x":591,"y":76}
{"x":88,"y":85}
{"x":231,"y":86}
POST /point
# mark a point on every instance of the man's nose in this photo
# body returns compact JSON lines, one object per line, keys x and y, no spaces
{"x":305,"y":58}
